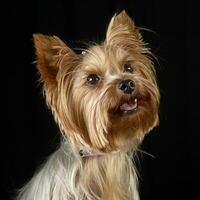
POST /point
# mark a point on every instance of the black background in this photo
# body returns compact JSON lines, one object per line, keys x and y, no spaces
{"x":28,"y":131}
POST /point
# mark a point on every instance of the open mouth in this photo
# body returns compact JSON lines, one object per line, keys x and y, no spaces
{"x":127,"y":107}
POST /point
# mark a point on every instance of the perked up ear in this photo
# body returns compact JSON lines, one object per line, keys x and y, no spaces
{"x":51,"y":52}
{"x":121,"y":28}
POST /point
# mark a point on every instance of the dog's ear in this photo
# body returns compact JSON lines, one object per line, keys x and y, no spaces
{"x":51,"y":54}
{"x":121,"y":29}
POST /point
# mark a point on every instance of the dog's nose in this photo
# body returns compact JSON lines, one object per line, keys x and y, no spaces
{"x":127,"y":86}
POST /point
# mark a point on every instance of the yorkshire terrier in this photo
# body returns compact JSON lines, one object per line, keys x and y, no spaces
{"x":104,"y":100}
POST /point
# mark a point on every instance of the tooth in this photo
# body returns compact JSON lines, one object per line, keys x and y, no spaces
{"x":135,"y":100}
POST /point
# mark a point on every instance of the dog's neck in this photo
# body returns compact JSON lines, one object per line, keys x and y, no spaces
{"x":99,"y":171}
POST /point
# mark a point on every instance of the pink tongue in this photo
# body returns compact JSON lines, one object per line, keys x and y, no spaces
{"x":127,"y":107}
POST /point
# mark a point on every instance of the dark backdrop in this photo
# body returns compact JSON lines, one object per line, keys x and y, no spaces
{"x":28,"y":131}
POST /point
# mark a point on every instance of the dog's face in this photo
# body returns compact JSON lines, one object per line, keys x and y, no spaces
{"x":107,"y":98}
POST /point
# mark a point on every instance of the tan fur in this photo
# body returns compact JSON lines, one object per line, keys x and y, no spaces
{"x":86,"y":113}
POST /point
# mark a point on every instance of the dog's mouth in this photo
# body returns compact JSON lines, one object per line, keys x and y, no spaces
{"x":127,"y":107}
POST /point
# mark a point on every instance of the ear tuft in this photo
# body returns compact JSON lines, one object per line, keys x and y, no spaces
{"x":120,"y":27}
{"x":49,"y":52}
{"x":122,"y":19}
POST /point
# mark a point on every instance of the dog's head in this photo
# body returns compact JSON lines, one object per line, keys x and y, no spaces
{"x":106,"y":98}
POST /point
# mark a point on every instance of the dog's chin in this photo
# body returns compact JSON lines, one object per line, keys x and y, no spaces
{"x":132,"y":112}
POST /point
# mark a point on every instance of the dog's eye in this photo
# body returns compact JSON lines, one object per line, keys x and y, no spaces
{"x":93,"y":79}
{"x":128,"y":68}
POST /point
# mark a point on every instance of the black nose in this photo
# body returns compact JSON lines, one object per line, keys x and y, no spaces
{"x":127,"y":86}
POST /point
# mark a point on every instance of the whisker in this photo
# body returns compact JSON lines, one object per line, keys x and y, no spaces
{"x":146,"y":153}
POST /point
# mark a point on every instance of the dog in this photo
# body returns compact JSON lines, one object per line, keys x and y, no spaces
{"x":104,"y":100}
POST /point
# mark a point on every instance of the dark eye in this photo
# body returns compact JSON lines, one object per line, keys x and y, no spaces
{"x":93,"y":79}
{"x":128,"y":68}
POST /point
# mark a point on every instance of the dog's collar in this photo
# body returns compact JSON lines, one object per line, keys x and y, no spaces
{"x":90,"y":153}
